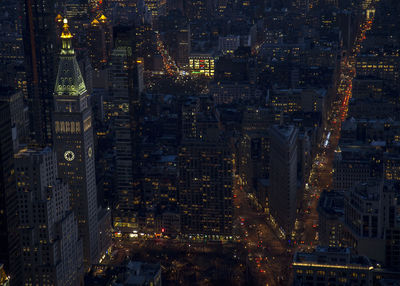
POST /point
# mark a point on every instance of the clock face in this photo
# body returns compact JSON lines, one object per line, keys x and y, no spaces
{"x":125,"y":107}
{"x":90,"y":152}
{"x":69,"y":155}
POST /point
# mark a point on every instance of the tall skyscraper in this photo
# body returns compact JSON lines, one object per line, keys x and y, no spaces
{"x":40,"y":44}
{"x":73,"y":143}
{"x":9,"y":239}
{"x":126,"y":75}
{"x":128,"y":191}
{"x":205,"y":182}
{"x":283,"y":176}
{"x":52,"y":250}
{"x":99,"y":39}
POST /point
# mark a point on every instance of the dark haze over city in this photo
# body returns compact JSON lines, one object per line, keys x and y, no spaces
{"x":199,"y":142}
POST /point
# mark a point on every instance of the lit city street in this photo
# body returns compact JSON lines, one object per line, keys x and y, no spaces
{"x":263,"y":252}
{"x":206,"y":142}
{"x":268,"y":254}
{"x":321,"y":171}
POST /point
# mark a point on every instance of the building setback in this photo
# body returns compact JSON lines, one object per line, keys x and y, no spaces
{"x":51,"y":248}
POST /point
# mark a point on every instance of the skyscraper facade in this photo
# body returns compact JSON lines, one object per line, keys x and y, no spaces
{"x":9,"y":239}
{"x":40,"y":46}
{"x":73,"y":143}
{"x":128,"y":191}
{"x":205,"y":182}
{"x":51,"y":248}
{"x":126,"y":75}
{"x":283,"y":176}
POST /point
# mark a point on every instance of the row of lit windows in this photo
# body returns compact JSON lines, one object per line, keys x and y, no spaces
{"x":68,"y":127}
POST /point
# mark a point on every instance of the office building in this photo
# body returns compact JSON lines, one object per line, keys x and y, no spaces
{"x":391,"y":163}
{"x":253,"y":162}
{"x":18,"y":113}
{"x":352,"y":165}
{"x":332,"y":266}
{"x":380,"y":64}
{"x":156,"y":7}
{"x":228,"y":44}
{"x":283,"y":176}
{"x":50,"y":245}
{"x":330,"y":215}
{"x":292,"y":100}
{"x":40,"y":61}
{"x":76,"y":10}
{"x":132,"y":273}
{"x":9,"y":239}
{"x":140,"y":273}
{"x":370,"y":221}
{"x":74,"y":144}
{"x":128,"y":193}
{"x":11,"y":46}
{"x":99,"y":39}
{"x":205,"y":181}
{"x":126,"y":76}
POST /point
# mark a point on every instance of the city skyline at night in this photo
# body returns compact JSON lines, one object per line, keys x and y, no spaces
{"x":200,"y":142}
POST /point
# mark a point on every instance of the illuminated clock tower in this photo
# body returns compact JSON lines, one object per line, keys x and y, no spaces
{"x":73,"y":142}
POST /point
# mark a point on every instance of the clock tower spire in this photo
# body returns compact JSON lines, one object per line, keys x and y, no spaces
{"x":73,"y":143}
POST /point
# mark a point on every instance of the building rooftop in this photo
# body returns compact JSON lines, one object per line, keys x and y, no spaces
{"x":331,"y":202}
{"x":332,"y":257}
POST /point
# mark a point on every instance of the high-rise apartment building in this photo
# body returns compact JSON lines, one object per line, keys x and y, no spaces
{"x":74,"y":144}
{"x":51,"y":247}
{"x":283,"y":176}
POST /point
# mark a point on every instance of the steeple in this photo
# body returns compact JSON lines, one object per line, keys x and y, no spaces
{"x":69,"y":80}
{"x":73,"y":143}
{"x":66,"y":38}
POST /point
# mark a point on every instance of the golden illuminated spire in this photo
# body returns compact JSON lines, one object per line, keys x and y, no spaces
{"x":66,"y":34}
{"x":69,"y":81}
{"x":95,"y":22}
{"x":102,"y":18}
{"x":59,"y":18}
{"x":66,"y":39}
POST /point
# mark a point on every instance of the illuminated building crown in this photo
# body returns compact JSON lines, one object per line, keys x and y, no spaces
{"x":69,"y":80}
